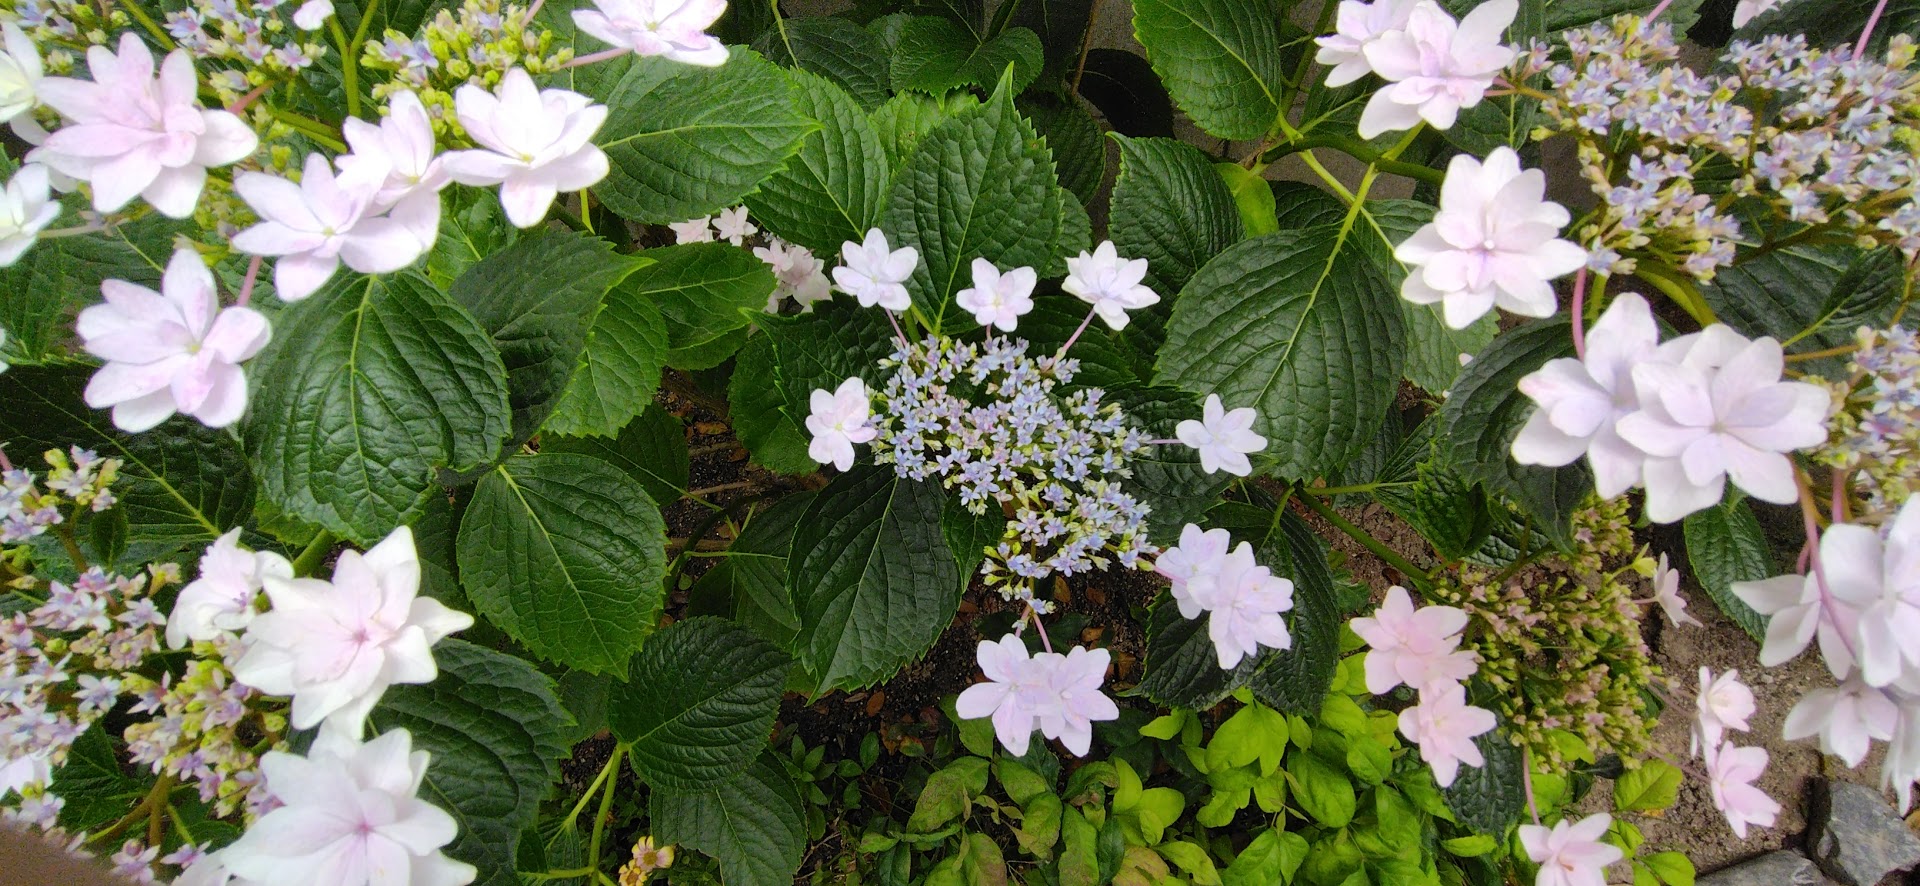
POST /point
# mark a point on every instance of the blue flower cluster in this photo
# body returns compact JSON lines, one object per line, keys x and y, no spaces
{"x":989,"y":421}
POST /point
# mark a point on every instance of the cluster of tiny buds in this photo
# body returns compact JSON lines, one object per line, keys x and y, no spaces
{"x":260,"y":35}
{"x":72,"y":24}
{"x":478,"y":43}
{"x":1876,"y":432}
{"x":207,"y":729}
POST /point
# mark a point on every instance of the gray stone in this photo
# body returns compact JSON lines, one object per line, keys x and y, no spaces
{"x":1782,"y":868}
{"x":1854,"y":835}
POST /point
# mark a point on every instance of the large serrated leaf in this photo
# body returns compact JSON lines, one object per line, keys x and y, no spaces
{"x":1297,"y":679}
{"x":872,"y":577}
{"x":701,"y":290}
{"x":1172,"y":209}
{"x":368,"y":389}
{"x":698,"y":702}
{"x":753,"y":575}
{"x":1181,"y":668}
{"x":757,"y":408}
{"x":685,"y":141}
{"x":754,"y":825}
{"x":1074,"y":138}
{"x":837,"y":49}
{"x":936,"y":55}
{"x":651,"y":449}
{"x":832,"y":190}
{"x":1168,"y":479}
{"x":496,"y":734}
{"x":42,"y":292}
{"x":1724,"y":545}
{"x":1490,"y":798}
{"x":1300,"y":326}
{"x":1424,"y":488}
{"x":564,"y":553}
{"x":619,"y":368}
{"x":1220,"y":59}
{"x":1781,"y":294}
{"x":1831,"y":22}
{"x":802,"y":353}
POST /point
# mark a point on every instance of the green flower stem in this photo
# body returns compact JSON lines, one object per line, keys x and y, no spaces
{"x":146,"y":21}
{"x":1330,"y":491}
{"x":313,"y":129}
{"x":1682,"y":292}
{"x":64,"y":531}
{"x":1415,"y":574}
{"x":573,"y":817}
{"x":606,"y":805}
{"x":349,"y":65}
{"x":1304,"y":144}
{"x":313,"y":553}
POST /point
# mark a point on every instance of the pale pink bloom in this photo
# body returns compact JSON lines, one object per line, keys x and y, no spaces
{"x":20,"y":73}
{"x":1571,"y":854}
{"x":324,"y":220}
{"x":1712,"y":408}
{"x":19,"y":773}
{"x":1494,"y":242}
{"x":134,"y":135}
{"x":1192,"y":564}
{"x":172,"y":350}
{"x":1436,"y":66}
{"x":537,"y":143}
{"x":1109,"y":283}
{"x":1722,"y":703}
{"x":1223,"y":438}
{"x":350,"y":814}
{"x":693,"y":230}
{"x":1244,"y":601}
{"x":1730,"y":774}
{"x":1902,"y":764}
{"x":1057,"y":694}
{"x":25,"y":211}
{"x":1356,"y":26}
{"x":839,"y":421}
{"x":1418,"y":647}
{"x":312,"y":14}
{"x":1800,"y":611}
{"x":732,"y":226}
{"x":1075,"y":679}
{"x":674,"y":29}
{"x":1747,"y":10}
{"x":1444,"y":725}
{"x":222,"y":598}
{"x":875,"y":273}
{"x":1882,"y":577}
{"x":208,"y":870}
{"x":1581,"y":400}
{"x":335,"y":646}
{"x":1847,"y":718}
{"x":797,"y":275}
{"x":402,"y":145}
{"x":1666,"y":593}
{"x":997,"y":299}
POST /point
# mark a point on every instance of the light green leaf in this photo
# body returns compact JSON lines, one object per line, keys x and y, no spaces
{"x":1253,"y":196}
{"x":652,"y":449}
{"x":1472,"y":846}
{"x":1220,"y":59}
{"x":1322,"y":790}
{"x":698,"y":702}
{"x":368,"y":389}
{"x":618,"y":371}
{"x":1172,"y":209}
{"x":1191,"y":858}
{"x":948,"y":795}
{"x":936,"y":55}
{"x":831,"y":191}
{"x":564,"y":553}
{"x":1673,"y":868}
{"x":1271,"y":859}
{"x":1654,"y":786}
{"x":754,"y":824}
{"x":701,"y":290}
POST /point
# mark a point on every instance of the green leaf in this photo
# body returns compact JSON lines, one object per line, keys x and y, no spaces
{"x":756,"y":405}
{"x":1191,"y":858}
{"x":1653,"y":787}
{"x":1079,"y":857}
{"x":472,"y":227}
{"x":564,"y":553}
{"x":874,"y":581}
{"x":368,"y":389}
{"x":1172,"y":209}
{"x":1830,"y":23}
{"x":831,"y":191}
{"x":1252,"y":196}
{"x":652,"y":449}
{"x":1322,"y":790}
{"x":701,"y":290}
{"x":1297,"y":679}
{"x":753,"y":575}
{"x":1301,"y":327}
{"x":1072,"y":135}
{"x":980,"y":186}
{"x":49,"y":285}
{"x":1040,"y":825}
{"x":181,"y":482}
{"x":685,"y":141}
{"x":1673,"y":868}
{"x":618,"y":370}
{"x":1724,"y":545}
{"x":808,"y":352}
{"x":496,"y":734}
{"x":1167,"y":479}
{"x":698,"y":702}
{"x":908,"y":118}
{"x":536,"y":298}
{"x":1272,"y":858}
{"x":1866,"y":293}
{"x":948,"y":795}
{"x":1472,"y":846}
{"x":1489,"y":799}
{"x":836,"y":49}
{"x":936,"y":55}
{"x":1062,"y":26}
{"x":754,"y":824}
{"x":1220,"y":59}
{"x":96,"y":789}
{"x":1780,"y":294}
{"x":1182,"y":669}
{"x":1447,"y":510}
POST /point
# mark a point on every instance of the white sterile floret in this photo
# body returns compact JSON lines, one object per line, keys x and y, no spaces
{"x":1581,"y":401}
{"x":1436,"y":66}
{"x":312,"y":14}
{"x":1494,"y":242}
{"x":875,"y":273}
{"x":1444,"y":726}
{"x":1846,"y":718}
{"x":732,"y":226}
{"x":840,"y":420}
{"x":20,"y":73}
{"x":25,"y":210}
{"x":1571,"y":853}
{"x":222,"y":598}
{"x":1244,"y":600}
{"x":1358,"y":25}
{"x":996,"y":299}
{"x":323,"y":221}
{"x":537,"y":143}
{"x":1191,"y":565}
{"x":1110,"y":283}
{"x":1222,"y":438}
{"x":797,"y":274}
{"x":1057,"y":694}
{"x":402,"y":144}
{"x":674,"y":29}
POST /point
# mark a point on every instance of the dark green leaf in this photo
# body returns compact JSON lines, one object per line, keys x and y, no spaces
{"x":1428,"y":492}
{"x":755,"y":824}
{"x":1489,"y":799}
{"x":96,"y":789}
{"x":776,"y":441}
{"x":908,"y":118}
{"x":832,"y":190}
{"x":837,"y":49}
{"x":618,"y":370}
{"x":1073,"y":136}
{"x":1182,"y":669}
{"x":753,"y":575}
{"x":701,"y":290}
{"x":1170,"y":208}
{"x":651,"y":449}
{"x":48,"y":286}
{"x":1295,"y":680}
{"x":1220,"y":59}
{"x":1829,"y":23}
{"x":1724,"y":545}
{"x":698,"y":703}
{"x":1781,"y":293}
{"x":1168,"y":479}
{"x":936,"y":55}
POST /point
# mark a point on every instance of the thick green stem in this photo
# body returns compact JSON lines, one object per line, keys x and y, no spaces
{"x":313,"y":553}
{"x":1415,"y":574}
{"x":1682,"y":292}
{"x":606,"y":805}
{"x":349,"y":66}
{"x":1358,"y":150}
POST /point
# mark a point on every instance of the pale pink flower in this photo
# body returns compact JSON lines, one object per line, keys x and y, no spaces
{"x":312,"y":14}
{"x":1722,"y":703}
{"x":1223,"y":438}
{"x":1882,"y":577}
{"x":1581,"y":400}
{"x":402,"y":145}
{"x":1730,"y":774}
{"x":875,"y":273}
{"x":324,"y":220}
{"x":1109,"y":283}
{"x":1902,"y":764}
{"x":221,"y":598}
{"x":674,"y":29}
{"x":732,"y":226}
{"x":1571,"y":854}
{"x":1800,"y":611}
{"x":25,"y":211}
{"x":1747,"y":10}
{"x":797,"y":274}
{"x":839,"y":421}
{"x":693,"y":230}
{"x":20,"y":73}
{"x":19,"y":773}
{"x":1666,"y":593}
{"x":1356,"y":26}
{"x":1444,"y":725}
{"x":1192,"y":564}
{"x":1057,"y":694}
{"x":996,"y":299}
{"x":134,"y":135}
{"x":535,"y":143}
{"x":1244,"y":601}
{"x":1075,"y":679}
{"x":1436,"y":66}
{"x":1417,"y":647}
{"x":335,"y":646}
{"x":1846,"y":718}
{"x":170,"y":351}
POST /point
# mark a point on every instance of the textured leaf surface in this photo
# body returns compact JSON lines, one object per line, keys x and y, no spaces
{"x":1220,"y":59}
{"x":698,"y":703}
{"x":1489,"y":799}
{"x":757,"y":408}
{"x":42,"y":292}
{"x":651,"y":449}
{"x":701,"y":289}
{"x":837,"y":49}
{"x":618,"y":370}
{"x":1780,"y":294}
{"x":1167,"y":478}
{"x":754,"y":824}
{"x":368,"y":388}
{"x":832,"y":190}
{"x":1296,"y":680}
{"x":564,"y":553}
{"x":753,"y":575}
{"x":1725,"y":544}
{"x":1170,"y":208}
{"x":936,"y":55}
{"x":1182,"y":669}
{"x":1074,"y":138}
{"x":803,"y":353}
{"x":872,"y":578}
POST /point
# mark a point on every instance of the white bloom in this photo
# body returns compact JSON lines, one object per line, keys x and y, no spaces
{"x":24,"y":771}
{"x":401,"y":145}
{"x":1110,"y":283}
{"x":312,"y":15}
{"x":221,"y":599}
{"x":1902,"y":765}
{"x":732,"y":226}
{"x":1418,"y":647}
{"x":336,"y":646}
{"x":1356,"y":26}
{"x":1714,"y":407}
{"x":997,"y":299}
{"x":3,"y":348}
{"x":537,"y":143}
{"x":324,"y":220}
{"x":839,"y":421}
{"x":671,"y":28}
{"x":1223,"y":438}
{"x":20,"y":73}
{"x":1444,"y":726}
{"x":1882,"y":577}
{"x":1799,"y":612}
{"x":1666,"y":593}
{"x":1846,"y":718}
{"x":1747,"y":10}
{"x":875,"y":273}
{"x":24,"y":212}
{"x":1722,"y":703}
{"x":1436,"y":66}
{"x":1058,"y":694}
{"x":1571,"y":853}
{"x":797,"y":272}
{"x":134,"y":135}
{"x":350,"y":814}
{"x":1582,"y":400}
{"x":1244,"y":601}
{"x":1730,"y":774}
{"x":693,"y":230}
{"x":1192,"y":564}
{"x":173,"y":350}
{"x":1495,"y":241}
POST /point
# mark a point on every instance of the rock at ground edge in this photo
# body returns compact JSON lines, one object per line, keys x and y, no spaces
{"x":1782,"y":868}
{"x":1854,"y":835}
